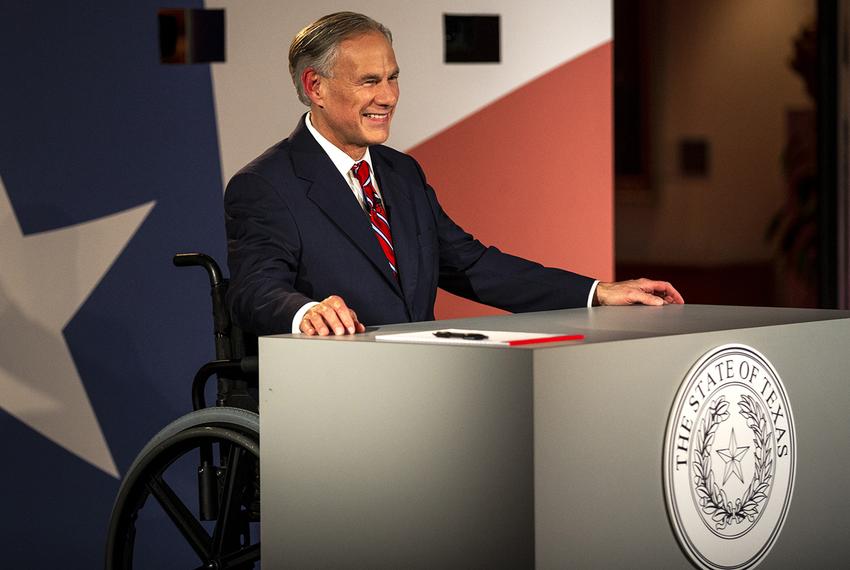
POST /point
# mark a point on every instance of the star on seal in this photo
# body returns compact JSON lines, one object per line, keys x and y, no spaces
{"x":732,"y":456}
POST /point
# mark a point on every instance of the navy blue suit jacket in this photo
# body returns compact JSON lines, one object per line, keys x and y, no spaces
{"x":296,"y":233}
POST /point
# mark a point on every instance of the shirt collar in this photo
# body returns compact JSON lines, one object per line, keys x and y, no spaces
{"x":342,"y":161}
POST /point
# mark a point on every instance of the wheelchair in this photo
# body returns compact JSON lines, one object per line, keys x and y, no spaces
{"x":202,"y":470}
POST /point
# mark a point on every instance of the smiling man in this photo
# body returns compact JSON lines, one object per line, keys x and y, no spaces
{"x":329,"y":229}
{"x":354,"y":103}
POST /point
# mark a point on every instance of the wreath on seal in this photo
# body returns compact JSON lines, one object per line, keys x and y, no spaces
{"x":712,"y":499}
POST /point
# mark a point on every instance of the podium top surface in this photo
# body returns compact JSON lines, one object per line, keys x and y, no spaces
{"x":609,"y":324}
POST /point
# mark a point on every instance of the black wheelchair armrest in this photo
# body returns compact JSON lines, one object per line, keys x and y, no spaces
{"x":239,"y":371}
{"x":200,"y":260}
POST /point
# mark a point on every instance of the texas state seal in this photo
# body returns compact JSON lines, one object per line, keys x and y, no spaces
{"x":729,"y":459}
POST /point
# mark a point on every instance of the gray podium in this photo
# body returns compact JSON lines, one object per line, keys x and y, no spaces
{"x":387,"y":455}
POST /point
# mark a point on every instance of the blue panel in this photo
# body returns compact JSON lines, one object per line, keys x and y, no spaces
{"x":92,"y":124}
{"x":55,"y":507}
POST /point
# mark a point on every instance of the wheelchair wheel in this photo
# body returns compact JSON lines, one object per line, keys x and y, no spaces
{"x":202,"y":471}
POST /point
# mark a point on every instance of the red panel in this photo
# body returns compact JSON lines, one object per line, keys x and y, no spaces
{"x":532,"y":172}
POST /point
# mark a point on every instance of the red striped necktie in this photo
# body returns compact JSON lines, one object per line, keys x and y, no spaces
{"x":377,"y":214}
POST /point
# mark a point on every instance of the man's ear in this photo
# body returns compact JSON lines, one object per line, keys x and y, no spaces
{"x":312,"y":83}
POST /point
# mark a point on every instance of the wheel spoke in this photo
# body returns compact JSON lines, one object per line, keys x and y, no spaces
{"x":223,"y":535}
{"x":246,"y":555}
{"x":182,"y":517}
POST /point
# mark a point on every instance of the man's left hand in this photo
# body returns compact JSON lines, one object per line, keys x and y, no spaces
{"x":637,"y":292}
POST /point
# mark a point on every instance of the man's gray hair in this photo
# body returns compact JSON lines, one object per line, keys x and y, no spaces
{"x":317,"y":45}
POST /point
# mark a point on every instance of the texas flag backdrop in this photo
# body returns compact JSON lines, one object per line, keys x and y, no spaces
{"x":111,"y":162}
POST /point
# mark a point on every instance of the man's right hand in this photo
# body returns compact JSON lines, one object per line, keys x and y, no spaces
{"x":331,"y":316}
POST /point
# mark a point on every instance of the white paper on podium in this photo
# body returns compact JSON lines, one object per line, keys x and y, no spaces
{"x":494,"y":338}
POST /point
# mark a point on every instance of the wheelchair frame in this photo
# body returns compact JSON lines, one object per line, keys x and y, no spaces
{"x":226,"y":438}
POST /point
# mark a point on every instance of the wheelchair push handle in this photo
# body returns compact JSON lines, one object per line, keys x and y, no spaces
{"x":200,"y":260}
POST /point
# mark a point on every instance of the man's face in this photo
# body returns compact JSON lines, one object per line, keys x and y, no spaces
{"x":353,"y":108}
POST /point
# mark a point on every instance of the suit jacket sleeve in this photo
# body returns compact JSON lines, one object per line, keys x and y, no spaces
{"x":263,"y":250}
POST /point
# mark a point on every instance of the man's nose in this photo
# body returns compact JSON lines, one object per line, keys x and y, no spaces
{"x":387,"y":93}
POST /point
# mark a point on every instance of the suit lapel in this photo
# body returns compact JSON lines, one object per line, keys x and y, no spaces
{"x":403,"y":224}
{"x":333,"y":196}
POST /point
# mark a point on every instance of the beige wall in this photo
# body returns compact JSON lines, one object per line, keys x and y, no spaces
{"x":720,"y":73}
